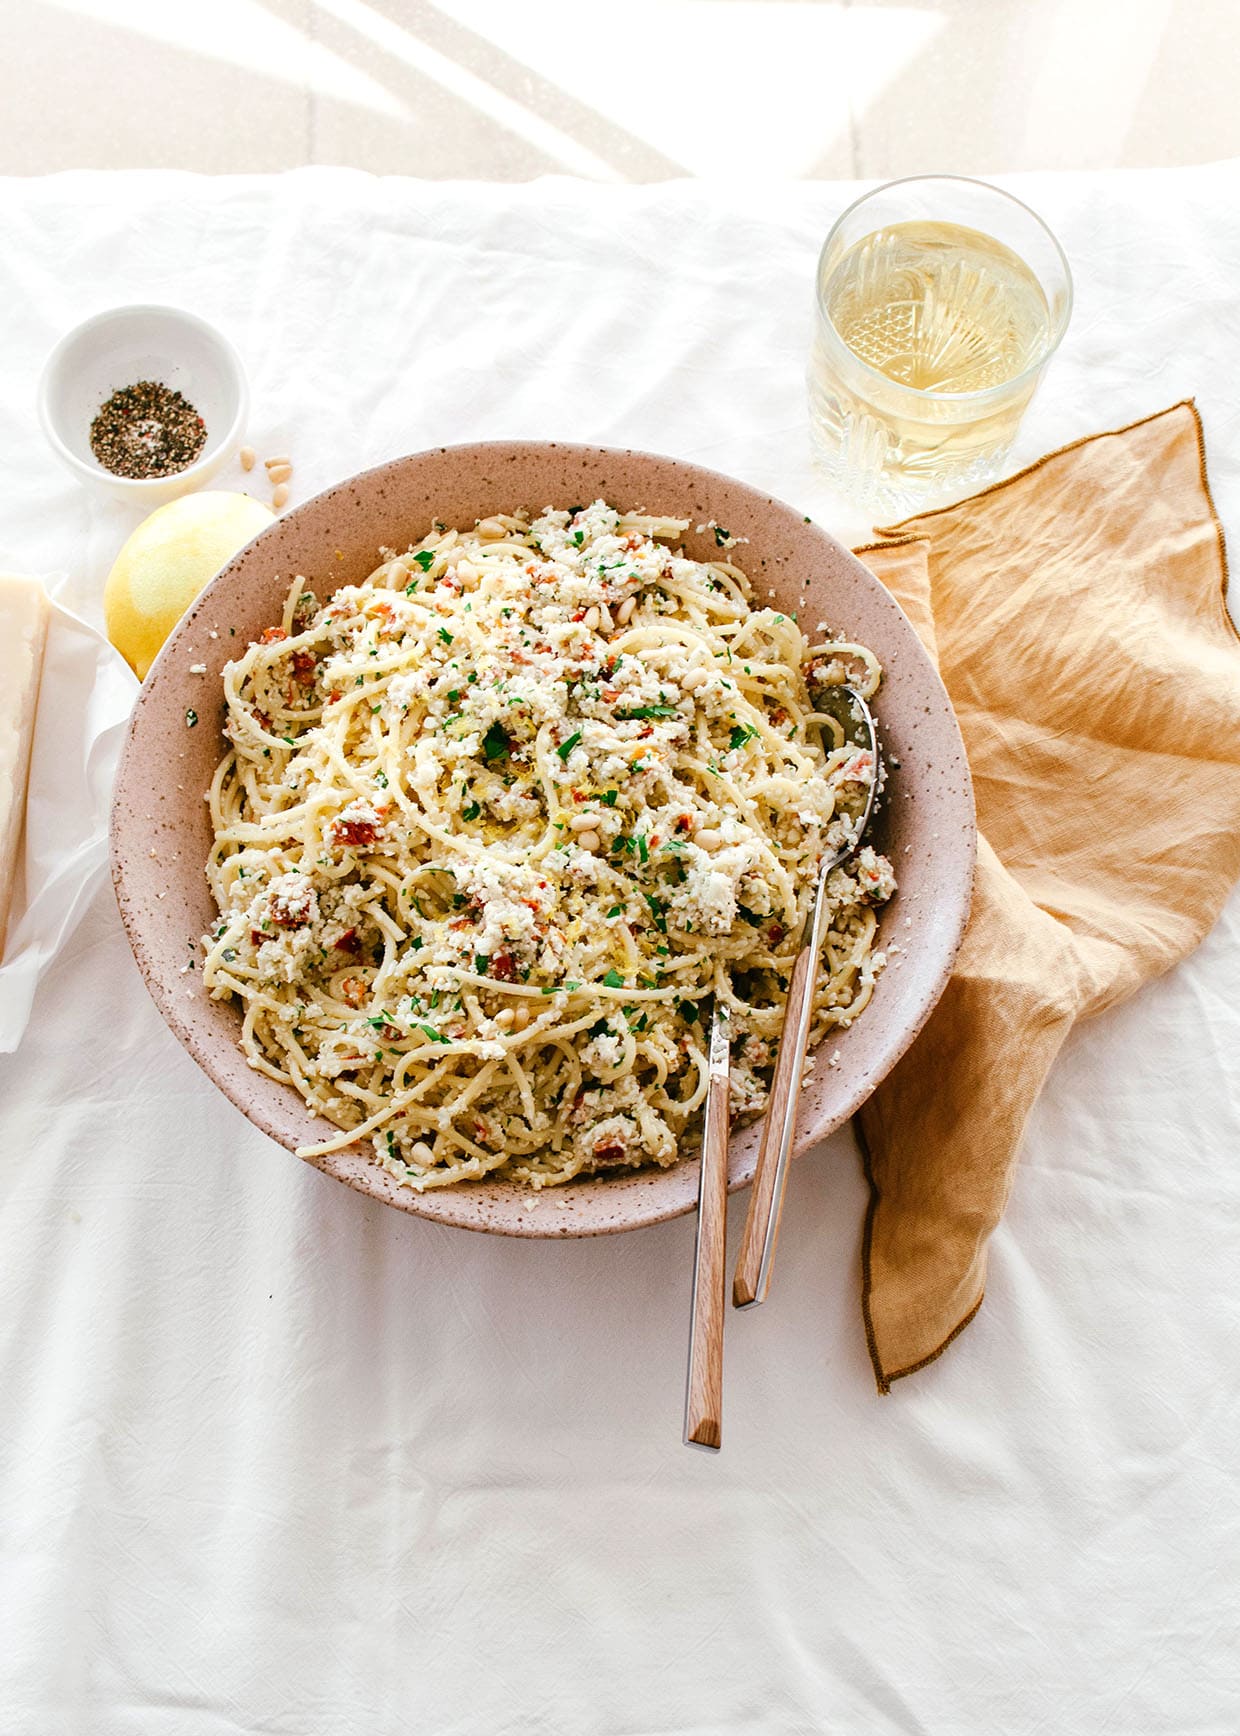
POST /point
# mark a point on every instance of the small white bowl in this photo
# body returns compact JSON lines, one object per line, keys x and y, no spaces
{"x":119,"y":348}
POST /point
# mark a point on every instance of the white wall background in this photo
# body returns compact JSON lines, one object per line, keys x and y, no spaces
{"x":618,"y":90}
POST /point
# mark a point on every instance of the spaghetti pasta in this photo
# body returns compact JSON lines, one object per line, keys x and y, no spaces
{"x":495,"y":825}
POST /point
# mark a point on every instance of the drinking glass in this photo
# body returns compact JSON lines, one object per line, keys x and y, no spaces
{"x":940,"y":301}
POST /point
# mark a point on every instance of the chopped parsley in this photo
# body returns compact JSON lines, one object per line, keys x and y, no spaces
{"x":649,"y":711}
{"x":566,"y":747}
{"x":495,"y":742}
{"x":471,"y":812}
{"x":425,"y":558}
{"x":608,"y":798}
{"x":722,"y":537}
{"x":613,"y":980}
{"x":445,"y":635}
{"x":740,"y":735}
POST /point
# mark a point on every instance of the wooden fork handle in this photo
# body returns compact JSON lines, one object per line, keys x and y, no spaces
{"x":704,"y":1392}
{"x":766,"y":1198}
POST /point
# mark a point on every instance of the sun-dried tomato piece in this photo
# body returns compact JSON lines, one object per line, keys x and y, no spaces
{"x":353,"y":990}
{"x":291,"y":913}
{"x":357,"y":833}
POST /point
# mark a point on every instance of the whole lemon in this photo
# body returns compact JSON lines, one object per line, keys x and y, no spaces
{"x":167,"y":562}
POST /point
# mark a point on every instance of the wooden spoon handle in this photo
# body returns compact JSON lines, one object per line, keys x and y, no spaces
{"x":766,"y":1199}
{"x":704,"y":1391}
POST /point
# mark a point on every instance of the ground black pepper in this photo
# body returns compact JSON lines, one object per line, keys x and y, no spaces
{"x":147,"y":430}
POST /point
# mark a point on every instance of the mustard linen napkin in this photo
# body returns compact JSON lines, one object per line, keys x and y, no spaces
{"x":1077,"y":615}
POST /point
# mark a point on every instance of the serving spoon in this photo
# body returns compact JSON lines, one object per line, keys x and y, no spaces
{"x":704,"y":1384}
{"x":766,"y":1200}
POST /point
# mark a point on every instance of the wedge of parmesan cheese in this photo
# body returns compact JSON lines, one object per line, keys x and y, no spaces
{"x":23,"y":632}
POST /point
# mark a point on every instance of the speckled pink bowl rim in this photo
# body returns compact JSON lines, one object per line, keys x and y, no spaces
{"x":161,"y":829}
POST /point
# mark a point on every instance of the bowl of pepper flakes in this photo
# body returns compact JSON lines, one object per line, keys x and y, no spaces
{"x":143,"y":402}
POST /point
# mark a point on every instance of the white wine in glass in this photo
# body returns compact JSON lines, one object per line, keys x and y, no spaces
{"x":932,"y":334}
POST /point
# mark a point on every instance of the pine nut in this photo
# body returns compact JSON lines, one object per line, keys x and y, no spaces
{"x":692,"y":679}
{"x":274,"y":463}
{"x":278,"y":472}
{"x":709,"y":839}
{"x":247,"y":458}
{"x":624,"y":614}
{"x":520,"y":1018}
{"x":491,"y":529}
{"x":279,"y":496}
{"x":589,"y":840}
{"x":581,"y":823}
{"x":504,"y":1017}
{"x":467,"y":575}
{"x":421,"y":1152}
{"x":592,"y":619}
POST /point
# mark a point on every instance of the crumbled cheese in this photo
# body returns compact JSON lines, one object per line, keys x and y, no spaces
{"x":707,"y":900}
{"x":499,"y":697}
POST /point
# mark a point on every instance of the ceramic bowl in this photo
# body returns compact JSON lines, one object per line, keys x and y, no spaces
{"x":120,"y":347}
{"x":161,"y":830}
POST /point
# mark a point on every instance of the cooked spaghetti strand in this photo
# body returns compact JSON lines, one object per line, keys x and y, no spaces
{"x":494,"y":826}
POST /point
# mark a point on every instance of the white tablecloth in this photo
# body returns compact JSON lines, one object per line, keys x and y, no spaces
{"x":276,"y":1459}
